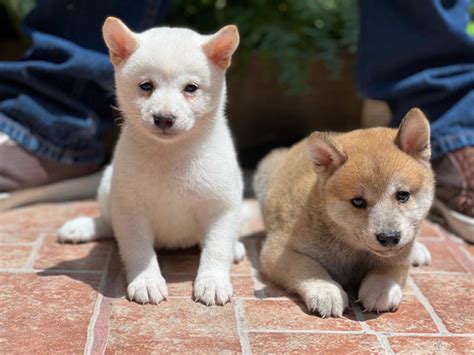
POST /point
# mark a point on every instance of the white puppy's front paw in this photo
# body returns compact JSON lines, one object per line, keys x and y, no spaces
{"x":212,"y":289}
{"x":78,"y":230}
{"x":328,"y":300}
{"x":239,"y":252}
{"x":380,"y":293}
{"x":420,"y":255}
{"x":147,"y":289}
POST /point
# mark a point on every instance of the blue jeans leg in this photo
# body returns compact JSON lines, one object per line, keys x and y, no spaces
{"x":417,"y":53}
{"x":56,"y":101}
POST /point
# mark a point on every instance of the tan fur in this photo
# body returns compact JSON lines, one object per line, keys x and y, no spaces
{"x":317,"y":242}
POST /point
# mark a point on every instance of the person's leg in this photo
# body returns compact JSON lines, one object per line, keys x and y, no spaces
{"x":417,"y":53}
{"x":55,"y":103}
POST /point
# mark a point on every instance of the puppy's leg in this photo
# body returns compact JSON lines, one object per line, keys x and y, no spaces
{"x":212,"y":284}
{"x":381,"y":290}
{"x":420,"y":255}
{"x":306,"y":277}
{"x":84,"y":229}
{"x":239,"y":252}
{"x":135,"y":239}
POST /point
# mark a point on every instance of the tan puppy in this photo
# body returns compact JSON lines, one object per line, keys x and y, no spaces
{"x":343,"y":210}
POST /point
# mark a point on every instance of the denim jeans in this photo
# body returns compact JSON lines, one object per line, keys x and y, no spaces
{"x":56,"y":101}
{"x":417,"y":53}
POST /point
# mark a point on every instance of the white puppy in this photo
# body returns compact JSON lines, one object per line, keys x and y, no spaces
{"x":174,"y":181}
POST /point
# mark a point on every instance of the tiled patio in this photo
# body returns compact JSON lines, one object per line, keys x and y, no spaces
{"x":70,"y":299}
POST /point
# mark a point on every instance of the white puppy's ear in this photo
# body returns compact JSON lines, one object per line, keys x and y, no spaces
{"x":413,"y":135}
{"x":325,"y":153}
{"x":222,"y":45}
{"x":119,"y":39}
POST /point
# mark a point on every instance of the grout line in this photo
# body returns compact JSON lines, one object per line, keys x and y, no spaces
{"x":49,"y":271}
{"x":466,"y":254}
{"x":437,"y":272}
{"x":17,"y":244}
{"x":355,"y":332}
{"x":242,"y":298}
{"x":178,"y":273}
{"x":114,"y":277}
{"x":382,"y":338}
{"x":304,"y":331}
{"x":97,"y":307}
{"x":429,"y":308}
{"x":35,"y":251}
{"x":461,"y":257}
{"x":433,"y":335}
{"x":240,"y":320}
{"x":275,"y":299}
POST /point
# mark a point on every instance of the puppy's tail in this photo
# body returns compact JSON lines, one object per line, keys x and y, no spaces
{"x":74,"y":189}
{"x":265,"y":169}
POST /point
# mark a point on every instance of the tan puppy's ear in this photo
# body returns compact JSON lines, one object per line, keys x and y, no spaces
{"x":119,"y":39}
{"x":222,"y":45}
{"x":413,"y":135}
{"x":325,"y":153}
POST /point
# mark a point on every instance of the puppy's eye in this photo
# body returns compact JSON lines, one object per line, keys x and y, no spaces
{"x":146,"y":86}
{"x":359,"y":202}
{"x":190,"y":88}
{"x":403,"y":196}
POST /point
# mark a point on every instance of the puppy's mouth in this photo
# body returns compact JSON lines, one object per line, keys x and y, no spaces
{"x":164,"y":134}
{"x":386,"y":253}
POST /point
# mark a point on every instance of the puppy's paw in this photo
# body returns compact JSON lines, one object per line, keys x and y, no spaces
{"x":212,"y":289}
{"x":147,"y":289}
{"x":328,"y":300}
{"x":78,"y":230}
{"x":239,"y":252}
{"x":380,"y":293}
{"x":420,"y":255}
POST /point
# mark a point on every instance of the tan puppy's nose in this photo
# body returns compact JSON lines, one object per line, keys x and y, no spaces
{"x":164,"y":121}
{"x":389,"y":238}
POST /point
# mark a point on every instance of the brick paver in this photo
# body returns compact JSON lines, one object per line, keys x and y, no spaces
{"x":71,"y":299}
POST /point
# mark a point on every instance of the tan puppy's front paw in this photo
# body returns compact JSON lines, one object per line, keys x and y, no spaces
{"x":380,"y":293}
{"x":328,"y":300}
{"x":145,"y":289}
{"x":420,"y":255}
{"x":212,"y":289}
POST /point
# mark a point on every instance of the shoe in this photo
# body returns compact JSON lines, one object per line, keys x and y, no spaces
{"x":454,"y":199}
{"x":26,"y":178}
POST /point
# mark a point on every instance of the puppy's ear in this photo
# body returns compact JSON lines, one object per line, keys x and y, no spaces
{"x":222,"y":45}
{"x":325,"y":153}
{"x":119,"y":39}
{"x":413,"y":135}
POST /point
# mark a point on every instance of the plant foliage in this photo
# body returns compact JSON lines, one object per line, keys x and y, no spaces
{"x":293,"y":32}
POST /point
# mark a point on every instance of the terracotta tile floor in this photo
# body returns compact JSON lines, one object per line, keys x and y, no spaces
{"x":70,"y":299}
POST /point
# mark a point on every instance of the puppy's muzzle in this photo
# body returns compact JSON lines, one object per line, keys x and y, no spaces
{"x":388,"y":238}
{"x":164,"y":121}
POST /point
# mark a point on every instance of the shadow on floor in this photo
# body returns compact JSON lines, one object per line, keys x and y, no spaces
{"x":178,"y":266}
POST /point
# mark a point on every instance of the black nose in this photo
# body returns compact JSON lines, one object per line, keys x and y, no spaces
{"x":164,"y":121}
{"x":389,"y":238}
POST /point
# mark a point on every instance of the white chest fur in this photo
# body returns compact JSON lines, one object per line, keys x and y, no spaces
{"x":176,"y":189}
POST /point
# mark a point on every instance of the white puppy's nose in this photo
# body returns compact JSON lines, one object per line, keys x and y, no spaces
{"x":165,"y":121}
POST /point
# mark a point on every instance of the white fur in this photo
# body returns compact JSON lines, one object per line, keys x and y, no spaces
{"x":327,"y":298}
{"x":380,"y":293}
{"x":178,"y":190}
{"x":84,"y":229}
{"x":420,"y":255}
